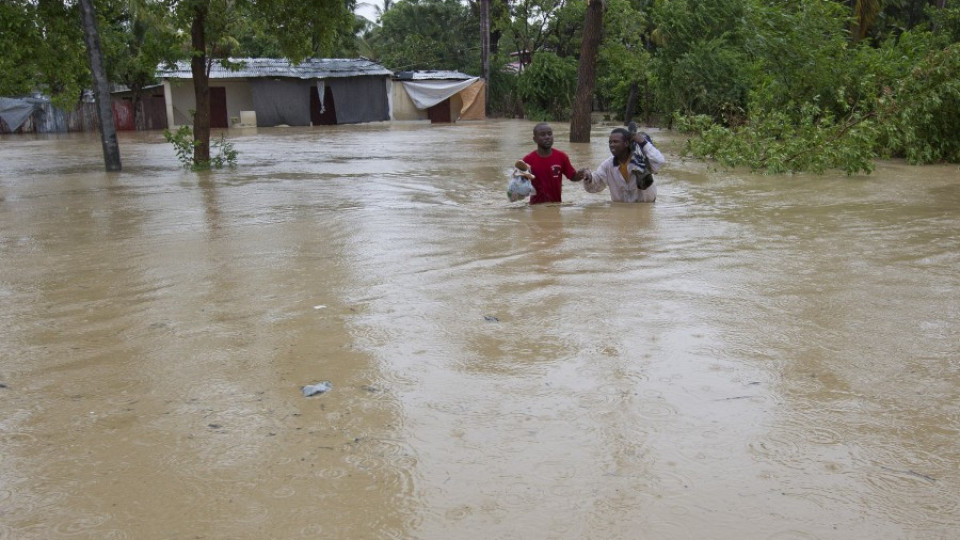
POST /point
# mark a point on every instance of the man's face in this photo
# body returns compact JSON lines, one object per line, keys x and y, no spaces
{"x":543,"y":136}
{"x":618,"y":144}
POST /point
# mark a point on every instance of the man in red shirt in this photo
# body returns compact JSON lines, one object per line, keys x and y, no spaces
{"x":549,"y":166}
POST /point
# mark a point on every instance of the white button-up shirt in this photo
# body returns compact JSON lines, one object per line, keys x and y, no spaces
{"x":608,"y":175}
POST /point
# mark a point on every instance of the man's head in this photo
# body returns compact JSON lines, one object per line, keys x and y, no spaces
{"x":619,"y":143}
{"x":543,"y":136}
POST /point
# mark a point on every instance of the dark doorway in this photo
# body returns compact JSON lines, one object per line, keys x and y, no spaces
{"x":218,"y":107}
{"x":154,"y":112}
{"x":440,"y":113}
{"x":329,"y":115}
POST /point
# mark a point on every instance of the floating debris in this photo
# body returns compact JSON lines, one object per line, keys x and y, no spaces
{"x":490,"y":318}
{"x":318,"y":388}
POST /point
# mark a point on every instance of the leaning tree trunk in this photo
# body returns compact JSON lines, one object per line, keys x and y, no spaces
{"x":587,"y":72}
{"x":108,"y":130}
{"x":201,"y":84}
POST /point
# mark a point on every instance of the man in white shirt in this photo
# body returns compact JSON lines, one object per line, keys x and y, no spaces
{"x":629,"y":180}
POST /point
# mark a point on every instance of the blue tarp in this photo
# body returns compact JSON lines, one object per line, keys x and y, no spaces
{"x":16,"y":111}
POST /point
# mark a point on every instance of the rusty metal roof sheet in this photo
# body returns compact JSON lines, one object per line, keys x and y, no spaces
{"x":312,"y":68}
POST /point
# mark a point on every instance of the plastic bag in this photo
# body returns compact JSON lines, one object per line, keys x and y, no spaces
{"x":519,"y":186}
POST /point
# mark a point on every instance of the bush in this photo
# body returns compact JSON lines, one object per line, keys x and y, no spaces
{"x":925,"y":110}
{"x":546,"y":87}
{"x":777,"y":142}
{"x":222,"y":152}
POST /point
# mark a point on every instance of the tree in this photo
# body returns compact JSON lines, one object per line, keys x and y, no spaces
{"x":485,"y":44}
{"x":526,"y":25}
{"x":587,"y":72}
{"x":428,"y":34}
{"x":108,"y":131}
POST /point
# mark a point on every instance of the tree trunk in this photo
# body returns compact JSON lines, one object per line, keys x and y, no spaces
{"x":587,"y":72}
{"x":941,"y":4}
{"x":201,"y":84}
{"x":139,"y":121}
{"x":632,"y":99}
{"x":101,"y":90}
{"x":485,"y":49}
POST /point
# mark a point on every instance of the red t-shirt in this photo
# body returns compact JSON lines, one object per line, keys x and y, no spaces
{"x":549,"y":172}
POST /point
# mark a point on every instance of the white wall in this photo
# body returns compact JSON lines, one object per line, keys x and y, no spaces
{"x":401,"y":106}
{"x":181,"y":101}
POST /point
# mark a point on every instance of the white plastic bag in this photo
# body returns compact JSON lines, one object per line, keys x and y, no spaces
{"x":519,"y":186}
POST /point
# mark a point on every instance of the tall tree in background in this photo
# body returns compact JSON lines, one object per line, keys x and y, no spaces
{"x":428,"y":34}
{"x":587,"y":72}
{"x":108,"y":130}
{"x":529,"y":24}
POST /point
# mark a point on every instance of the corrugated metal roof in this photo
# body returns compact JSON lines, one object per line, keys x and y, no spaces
{"x":312,"y":68}
{"x":433,"y":75}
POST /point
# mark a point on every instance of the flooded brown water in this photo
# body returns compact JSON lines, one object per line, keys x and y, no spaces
{"x":748,"y":358}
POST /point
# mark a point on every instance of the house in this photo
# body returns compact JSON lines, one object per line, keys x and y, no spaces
{"x":271,"y":92}
{"x":440,"y":96}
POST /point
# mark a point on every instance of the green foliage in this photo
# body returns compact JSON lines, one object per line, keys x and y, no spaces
{"x":43,"y":50}
{"x":703,"y":67}
{"x":428,"y":34}
{"x":624,"y":60}
{"x":777,"y":143}
{"x":946,"y":23}
{"x":183,"y":144}
{"x":547,"y":86}
{"x":308,"y":28}
{"x":921,"y":110}
{"x":565,"y":32}
{"x":223,"y":155}
{"x":530,"y":25}
{"x":801,"y":54}
{"x":814,"y":101}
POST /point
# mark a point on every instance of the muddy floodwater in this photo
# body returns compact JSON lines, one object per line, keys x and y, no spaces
{"x":751,"y":357}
